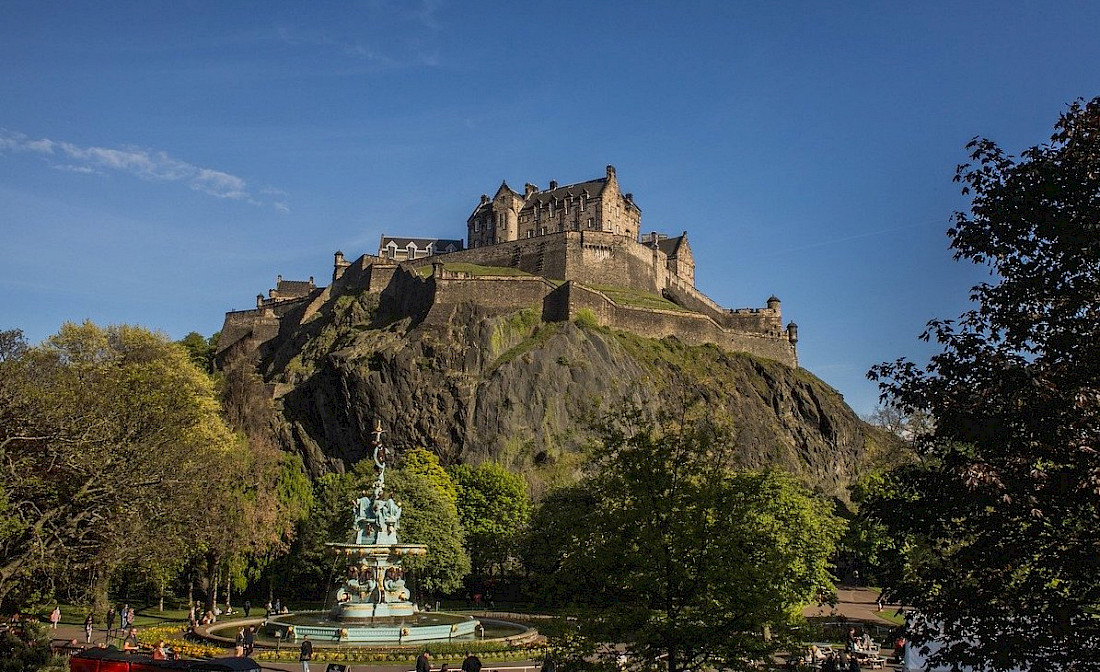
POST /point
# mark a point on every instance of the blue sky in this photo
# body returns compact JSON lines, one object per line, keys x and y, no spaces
{"x":161,"y":162}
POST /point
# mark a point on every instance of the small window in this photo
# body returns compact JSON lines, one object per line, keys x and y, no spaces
{"x":530,"y":233}
{"x":591,"y":222}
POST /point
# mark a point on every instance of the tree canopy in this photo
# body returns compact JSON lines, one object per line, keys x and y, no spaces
{"x":999,"y":523}
{"x":110,"y":439}
{"x":493,"y":508}
{"x":694,"y":560}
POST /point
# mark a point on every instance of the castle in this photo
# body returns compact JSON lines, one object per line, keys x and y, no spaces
{"x":565,"y":249}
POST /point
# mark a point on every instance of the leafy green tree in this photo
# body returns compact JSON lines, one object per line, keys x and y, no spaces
{"x":999,"y":522}
{"x":429,"y":517}
{"x":426,"y":463}
{"x":111,"y":439}
{"x":493,"y":508}
{"x":695,"y":561}
{"x":201,"y":350}
{"x":558,"y":521}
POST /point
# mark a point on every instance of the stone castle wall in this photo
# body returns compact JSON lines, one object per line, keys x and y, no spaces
{"x":689,"y":327}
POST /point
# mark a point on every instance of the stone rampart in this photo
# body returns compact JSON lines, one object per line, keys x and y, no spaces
{"x":692,"y":328}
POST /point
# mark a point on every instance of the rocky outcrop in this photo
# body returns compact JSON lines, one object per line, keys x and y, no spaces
{"x":508,"y":387}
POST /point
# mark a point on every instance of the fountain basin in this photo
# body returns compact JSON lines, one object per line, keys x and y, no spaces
{"x":321,"y":628}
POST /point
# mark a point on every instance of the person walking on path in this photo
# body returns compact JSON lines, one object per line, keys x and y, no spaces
{"x":306,"y":654}
{"x":471,"y":663}
{"x":424,"y":662}
{"x":88,"y":628}
{"x":55,"y":618}
{"x":247,"y":608}
{"x":110,"y":621}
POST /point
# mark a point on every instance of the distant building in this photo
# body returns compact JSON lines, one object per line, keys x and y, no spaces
{"x":398,"y":248}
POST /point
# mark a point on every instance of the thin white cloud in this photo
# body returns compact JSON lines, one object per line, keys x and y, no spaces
{"x":145,"y":164}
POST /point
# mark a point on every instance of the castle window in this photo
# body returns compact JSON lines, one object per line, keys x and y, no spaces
{"x":591,"y":222}
{"x":542,"y":231}
{"x":530,"y":233}
{"x":477,"y":225}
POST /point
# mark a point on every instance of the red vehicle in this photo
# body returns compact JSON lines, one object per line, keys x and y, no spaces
{"x":113,"y":660}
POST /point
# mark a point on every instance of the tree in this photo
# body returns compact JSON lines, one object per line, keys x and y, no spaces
{"x":694,"y":560}
{"x":429,"y":517}
{"x":493,"y":508}
{"x":201,"y":350}
{"x":1000,"y":520}
{"x":109,"y":438}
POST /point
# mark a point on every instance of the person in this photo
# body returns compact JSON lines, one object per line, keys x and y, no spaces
{"x":899,"y":648}
{"x":250,"y":640}
{"x":247,"y":608}
{"x":424,"y":661}
{"x":471,"y":663}
{"x":444,"y":668}
{"x":853,"y":664}
{"x":130,"y":617}
{"x":88,"y":627}
{"x":192,"y":620}
{"x":278,"y":606}
{"x":830,"y":664}
{"x":160,"y":652}
{"x":852,"y":639}
{"x":239,"y":643}
{"x":866,"y":643}
{"x":267,"y":608}
{"x":110,"y":620}
{"x":55,"y":618}
{"x":306,"y":653}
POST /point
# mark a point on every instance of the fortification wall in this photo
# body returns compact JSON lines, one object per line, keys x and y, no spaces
{"x":259,"y":324}
{"x":691,"y":328}
{"x":541,"y":255}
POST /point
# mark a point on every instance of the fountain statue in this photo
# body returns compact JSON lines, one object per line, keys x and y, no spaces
{"x":373,"y":604}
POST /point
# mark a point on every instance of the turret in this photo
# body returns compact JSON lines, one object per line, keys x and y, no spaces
{"x":773,"y":302}
{"x":792,"y":333}
{"x":339,"y":265}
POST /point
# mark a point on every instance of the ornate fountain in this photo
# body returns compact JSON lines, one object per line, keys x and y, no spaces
{"x":372,"y":601}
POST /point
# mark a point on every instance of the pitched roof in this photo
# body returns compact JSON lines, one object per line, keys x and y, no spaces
{"x":421,"y":243}
{"x":670,"y":246}
{"x":593,"y":187}
{"x":295,"y":287}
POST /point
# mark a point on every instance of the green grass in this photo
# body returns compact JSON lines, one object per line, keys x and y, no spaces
{"x":637,"y":299}
{"x":473,"y":269}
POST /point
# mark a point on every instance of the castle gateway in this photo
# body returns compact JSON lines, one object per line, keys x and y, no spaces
{"x":565,"y":249}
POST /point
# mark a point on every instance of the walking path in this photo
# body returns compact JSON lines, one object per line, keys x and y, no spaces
{"x":854,"y":604}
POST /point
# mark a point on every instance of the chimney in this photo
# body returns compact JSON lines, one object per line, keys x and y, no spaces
{"x":529,"y":189}
{"x":610,"y":170}
{"x":553,"y":184}
{"x":484,"y":198}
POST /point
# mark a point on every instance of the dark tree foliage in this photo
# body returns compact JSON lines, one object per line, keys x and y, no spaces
{"x":999,"y":523}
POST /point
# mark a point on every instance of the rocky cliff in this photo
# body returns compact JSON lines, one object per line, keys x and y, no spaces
{"x":511,"y":388}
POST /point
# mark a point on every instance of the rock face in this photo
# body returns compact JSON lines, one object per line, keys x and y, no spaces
{"x":511,"y":388}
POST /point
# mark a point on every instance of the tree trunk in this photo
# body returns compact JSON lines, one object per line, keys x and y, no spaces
{"x":100,"y":600}
{"x":212,"y":558}
{"x":228,"y":587}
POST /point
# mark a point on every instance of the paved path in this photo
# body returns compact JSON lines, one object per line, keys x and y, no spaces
{"x":856,"y":604}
